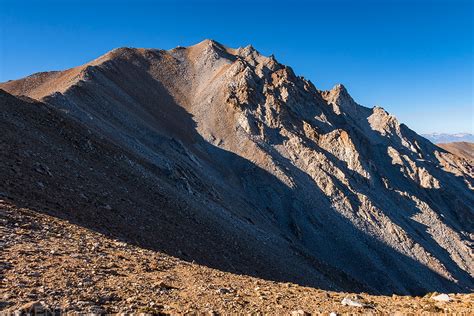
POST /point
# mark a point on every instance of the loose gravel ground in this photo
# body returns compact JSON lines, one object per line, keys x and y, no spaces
{"x":50,"y":265}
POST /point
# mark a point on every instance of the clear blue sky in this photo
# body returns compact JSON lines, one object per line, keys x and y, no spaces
{"x":414,"y":58}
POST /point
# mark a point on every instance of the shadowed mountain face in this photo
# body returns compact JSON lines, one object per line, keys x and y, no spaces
{"x":226,"y":157}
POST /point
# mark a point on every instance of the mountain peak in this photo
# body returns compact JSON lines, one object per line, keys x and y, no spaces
{"x":247,"y":51}
{"x":252,"y":153}
{"x":339,"y":87}
{"x":341,"y":92}
{"x":209,"y":43}
{"x":339,"y":98}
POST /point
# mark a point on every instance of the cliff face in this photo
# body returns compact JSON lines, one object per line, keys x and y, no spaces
{"x":226,"y":157}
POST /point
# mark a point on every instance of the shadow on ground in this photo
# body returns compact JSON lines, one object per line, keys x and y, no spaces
{"x":202,"y":204}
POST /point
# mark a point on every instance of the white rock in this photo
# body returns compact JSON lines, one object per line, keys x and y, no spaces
{"x":299,"y":312}
{"x":441,"y":298}
{"x":349,"y":302}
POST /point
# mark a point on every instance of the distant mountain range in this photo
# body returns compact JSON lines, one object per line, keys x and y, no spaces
{"x":438,"y":138}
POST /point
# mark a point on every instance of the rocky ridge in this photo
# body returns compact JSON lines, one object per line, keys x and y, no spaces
{"x":233,"y":152}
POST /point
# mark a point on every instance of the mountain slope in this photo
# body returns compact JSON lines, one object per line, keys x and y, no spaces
{"x":83,"y":272}
{"x":266,"y":174}
{"x":55,"y":165}
{"x":462,"y":149}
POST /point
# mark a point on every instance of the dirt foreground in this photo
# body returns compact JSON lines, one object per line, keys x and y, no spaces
{"x":51,"y":265}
